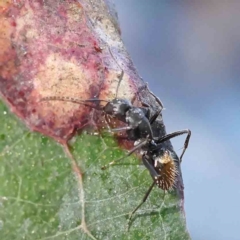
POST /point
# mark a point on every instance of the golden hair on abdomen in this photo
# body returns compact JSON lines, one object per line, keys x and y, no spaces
{"x":168,"y":172}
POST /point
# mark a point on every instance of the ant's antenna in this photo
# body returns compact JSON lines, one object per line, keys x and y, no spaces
{"x":73,"y":100}
{"x":79,"y":101}
{"x":156,"y":98}
{"x":120,"y":76}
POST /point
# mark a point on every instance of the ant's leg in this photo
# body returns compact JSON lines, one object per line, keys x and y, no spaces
{"x":141,"y":144}
{"x":141,"y":203}
{"x":150,"y":168}
{"x":107,"y":120}
{"x":116,"y":129}
{"x":156,"y":98}
{"x":155,"y":176}
{"x":156,"y":114}
{"x":175,"y":134}
{"x":154,"y":117}
{"x":120,"y":129}
{"x":185,"y":144}
{"x":145,"y":105}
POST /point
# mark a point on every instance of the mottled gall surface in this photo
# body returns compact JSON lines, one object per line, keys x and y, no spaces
{"x":57,"y":48}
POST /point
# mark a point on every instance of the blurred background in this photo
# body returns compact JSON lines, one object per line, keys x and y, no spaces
{"x":189,"y":53}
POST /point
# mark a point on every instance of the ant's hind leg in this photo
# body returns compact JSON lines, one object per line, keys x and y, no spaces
{"x":175,"y":134}
{"x":185,"y":144}
{"x":139,"y":205}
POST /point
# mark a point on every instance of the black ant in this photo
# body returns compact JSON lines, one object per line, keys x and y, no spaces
{"x":160,"y":161}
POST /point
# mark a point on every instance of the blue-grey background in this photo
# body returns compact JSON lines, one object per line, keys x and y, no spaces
{"x":189,"y":53}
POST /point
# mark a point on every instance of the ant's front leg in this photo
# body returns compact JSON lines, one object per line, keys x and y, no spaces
{"x":154,"y":117}
{"x":120,"y":129}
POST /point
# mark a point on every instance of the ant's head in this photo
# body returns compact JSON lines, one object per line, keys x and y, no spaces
{"x":117,"y":107}
{"x":165,"y":164}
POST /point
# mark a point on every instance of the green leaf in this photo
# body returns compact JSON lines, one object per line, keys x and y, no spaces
{"x":42,"y":197}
